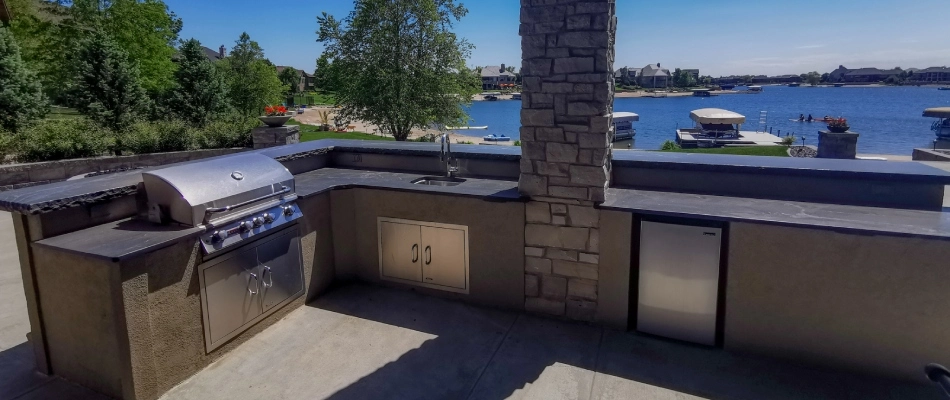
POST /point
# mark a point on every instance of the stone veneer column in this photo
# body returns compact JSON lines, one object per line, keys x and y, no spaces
{"x":567,"y":50}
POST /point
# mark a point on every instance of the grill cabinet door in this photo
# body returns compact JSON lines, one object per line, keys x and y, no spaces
{"x":280,"y":269}
{"x":232,"y":287}
{"x":400,"y":255}
{"x":443,"y":257}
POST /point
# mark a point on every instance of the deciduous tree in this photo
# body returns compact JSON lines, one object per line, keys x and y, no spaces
{"x":252,"y":80}
{"x":199,"y":92}
{"x":21,"y":96}
{"x":291,"y":78}
{"x":405,"y":68}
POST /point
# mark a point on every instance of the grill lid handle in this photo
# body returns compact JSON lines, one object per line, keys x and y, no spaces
{"x":208,"y":212}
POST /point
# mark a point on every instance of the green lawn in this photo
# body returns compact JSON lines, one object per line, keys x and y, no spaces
{"x":310,"y":132}
{"x":774,"y":151}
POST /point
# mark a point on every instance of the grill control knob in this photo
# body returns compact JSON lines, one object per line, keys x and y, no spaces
{"x":218,"y":236}
{"x":246,"y":226}
{"x":268,"y":218}
{"x":258,"y":221}
{"x":288,"y":210}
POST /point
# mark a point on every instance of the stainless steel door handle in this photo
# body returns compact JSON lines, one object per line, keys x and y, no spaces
{"x":415,"y":252}
{"x":428,"y":255}
{"x":253,"y":275}
{"x":267,"y":272}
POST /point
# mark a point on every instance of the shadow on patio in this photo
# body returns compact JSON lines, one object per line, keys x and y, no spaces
{"x":484,"y":354}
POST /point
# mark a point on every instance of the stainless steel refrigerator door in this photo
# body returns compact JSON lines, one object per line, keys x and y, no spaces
{"x":679,"y":281}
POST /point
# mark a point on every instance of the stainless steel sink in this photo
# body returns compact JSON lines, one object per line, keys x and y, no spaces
{"x":438,"y":181}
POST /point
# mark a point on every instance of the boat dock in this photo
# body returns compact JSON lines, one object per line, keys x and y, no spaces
{"x":693,"y":137}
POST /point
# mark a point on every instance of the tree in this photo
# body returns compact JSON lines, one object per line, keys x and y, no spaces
{"x":21,"y":96}
{"x":625,"y":76}
{"x":291,"y":78}
{"x":812,"y":78}
{"x":825,"y":77}
{"x":106,"y":87}
{"x":252,"y":80}
{"x":510,"y":69}
{"x":199,"y":92}
{"x":404,"y":66}
{"x":682,"y":78}
{"x":324,"y":77}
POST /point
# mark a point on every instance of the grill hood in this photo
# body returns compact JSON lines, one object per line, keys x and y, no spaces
{"x":215,"y":190}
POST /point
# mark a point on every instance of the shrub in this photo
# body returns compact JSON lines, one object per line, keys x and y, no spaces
{"x":517,"y":143}
{"x":788,"y":140}
{"x":158,"y":137}
{"x":61,"y":139}
{"x":669,"y":145}
{"x":429,"y":137}
{"x":228,"y":131}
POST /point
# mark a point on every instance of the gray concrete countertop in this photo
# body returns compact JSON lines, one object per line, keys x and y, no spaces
{"x":889,"y":221}
{"x":127,"y":238}
{"x":698,"y":162}
{"x":322,"y":180}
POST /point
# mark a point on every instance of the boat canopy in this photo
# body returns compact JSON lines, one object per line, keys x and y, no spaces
{"x":626,"y":116}
{"x":716,"y":116}
{"x":937,"y":112}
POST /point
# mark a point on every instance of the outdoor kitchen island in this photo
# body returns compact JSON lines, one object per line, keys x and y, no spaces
{"x":116,"y":300}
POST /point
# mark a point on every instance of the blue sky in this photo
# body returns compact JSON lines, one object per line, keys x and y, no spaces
{"x":720,"y":37}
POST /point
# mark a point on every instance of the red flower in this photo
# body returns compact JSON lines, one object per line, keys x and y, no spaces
{"x":269,"y":110}
{"x":281,"y":109}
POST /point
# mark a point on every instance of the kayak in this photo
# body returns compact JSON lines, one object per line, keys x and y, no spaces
{"x":462,"y":128}
{"x":493,"y":138}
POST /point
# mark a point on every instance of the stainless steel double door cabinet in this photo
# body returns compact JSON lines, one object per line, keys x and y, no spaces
{"x":245,"y":285}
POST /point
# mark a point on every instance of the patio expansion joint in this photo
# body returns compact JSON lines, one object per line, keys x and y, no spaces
{"x":593,"y":380}
{"x":492,"y":358}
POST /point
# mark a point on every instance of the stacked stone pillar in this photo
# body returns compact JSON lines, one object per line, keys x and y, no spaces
{"x":567,"y":62}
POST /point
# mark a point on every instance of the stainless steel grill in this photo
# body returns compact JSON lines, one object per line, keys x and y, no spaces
{"x":236,"y":197}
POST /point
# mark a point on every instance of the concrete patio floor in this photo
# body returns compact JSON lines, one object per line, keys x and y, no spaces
{"x":366,"y":342}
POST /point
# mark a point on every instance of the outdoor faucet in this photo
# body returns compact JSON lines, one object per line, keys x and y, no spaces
{"x":445,"y":155}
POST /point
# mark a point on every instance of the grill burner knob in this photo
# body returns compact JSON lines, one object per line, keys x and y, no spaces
{"x":246,"y":226}
{"x":288,"y":210}
{"x":218,"y":236}
{"x":268,"y":218}
{"x":258,"y":221}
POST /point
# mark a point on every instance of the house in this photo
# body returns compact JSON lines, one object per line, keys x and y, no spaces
{"x":213,"y":55}
{"x":786,"y":79}
{"x":838,"y":74}
{"x":631,"y":75}
{"x":870,"y":75}
{"x":932,"y":74}
{"x":694,"y":73}
{"x":654,"y":76}
{"x":493,"y":77}
{"x":306,"y":82}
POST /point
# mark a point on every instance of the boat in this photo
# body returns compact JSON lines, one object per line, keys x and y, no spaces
{"x":944,"y":88}
{"x":755,"y":89}
{"x":516,"y":96}
{"x":493,"y":138}
{"x":727,"y":87}
{"x":794,"y":84}
{"x":717,"y":127}
{"x":941,"y":127}
{"x":702,"y":93}
{"x":491,"y":97}
{"x":623,"y":129}
{"x":465,"y":128}
{"x":839,"y":85}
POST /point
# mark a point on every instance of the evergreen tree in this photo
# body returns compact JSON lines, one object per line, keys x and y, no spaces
{"x":200,"y":91}
{"x":252,"y":80}
{"x":21,"y":96}
{"x":106,"y":87}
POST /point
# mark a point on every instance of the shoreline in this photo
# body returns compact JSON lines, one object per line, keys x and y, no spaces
{"x":310,"y":118}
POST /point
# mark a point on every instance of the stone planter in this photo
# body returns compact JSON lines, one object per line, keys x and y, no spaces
{"x":276,"y":121}
{"x":838,"y":129}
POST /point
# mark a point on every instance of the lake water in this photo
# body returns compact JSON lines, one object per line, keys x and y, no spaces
{"x":887,"y":118}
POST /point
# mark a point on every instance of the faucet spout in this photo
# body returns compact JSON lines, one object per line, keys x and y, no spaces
{"x":445,"y":155}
